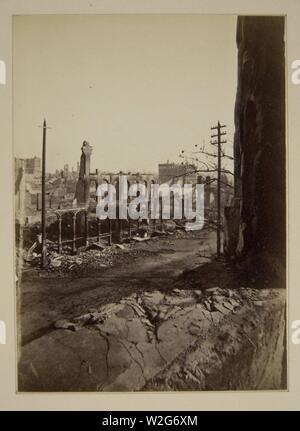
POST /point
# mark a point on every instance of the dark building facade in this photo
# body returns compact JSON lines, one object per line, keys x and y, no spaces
{"x":259,"y":144}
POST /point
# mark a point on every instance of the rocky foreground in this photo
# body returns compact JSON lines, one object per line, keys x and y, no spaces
{"x":213,"y":339}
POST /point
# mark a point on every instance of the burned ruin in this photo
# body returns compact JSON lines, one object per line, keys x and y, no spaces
{"x":258,"y":217}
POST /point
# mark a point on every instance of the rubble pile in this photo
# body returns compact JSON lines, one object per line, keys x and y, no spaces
{"x":154,"y":308}
{"x":97,"y":255}
{"x":89,"y":260}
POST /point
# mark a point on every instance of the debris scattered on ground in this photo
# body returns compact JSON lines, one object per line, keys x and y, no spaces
{"x":140,"y":239}
{"x":96,"y":246}
{"x":157,"y":306}
{"x":93,"y":258}
{"x":98,"y":255}
{"x":56,"y":262}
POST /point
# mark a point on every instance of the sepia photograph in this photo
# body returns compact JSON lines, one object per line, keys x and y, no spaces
{"x":150,"y":202}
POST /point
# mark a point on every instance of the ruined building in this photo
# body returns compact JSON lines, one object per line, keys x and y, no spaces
{"x":259,"y":216}
{"x":177,"y":172}
{"x":83,"y":184}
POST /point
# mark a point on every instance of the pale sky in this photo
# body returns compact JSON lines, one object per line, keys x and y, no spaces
{"x":138,"y":88}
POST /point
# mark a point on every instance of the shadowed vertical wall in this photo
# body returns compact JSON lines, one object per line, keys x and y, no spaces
{"x":259,"y":144}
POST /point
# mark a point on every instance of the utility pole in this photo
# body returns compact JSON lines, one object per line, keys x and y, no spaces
{"x":44,"y":247}
{"x":219,"y":143}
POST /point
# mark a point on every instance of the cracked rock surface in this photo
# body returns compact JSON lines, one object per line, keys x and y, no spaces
{"x":180,"y":340}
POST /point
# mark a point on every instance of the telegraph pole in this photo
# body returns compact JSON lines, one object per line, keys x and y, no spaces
{"x":219,"y":143}
{"x":44,"y":247}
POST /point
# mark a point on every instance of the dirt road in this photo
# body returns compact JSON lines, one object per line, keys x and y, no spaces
{"x":45,"y":300}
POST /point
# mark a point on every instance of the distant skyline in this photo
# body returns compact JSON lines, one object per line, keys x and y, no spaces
{"x":138,"y":88}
